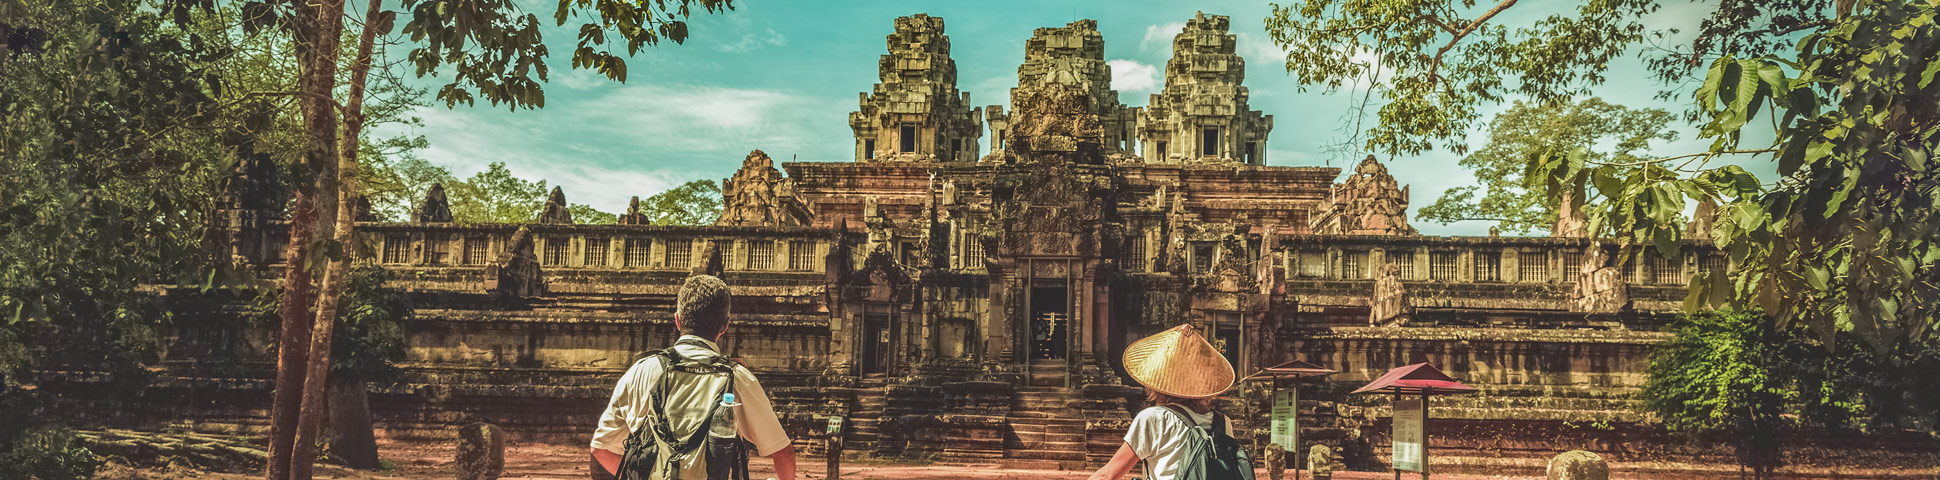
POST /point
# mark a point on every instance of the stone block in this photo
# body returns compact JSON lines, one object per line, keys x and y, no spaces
{"x":1578,"y":465}
{"x":481,"y":452}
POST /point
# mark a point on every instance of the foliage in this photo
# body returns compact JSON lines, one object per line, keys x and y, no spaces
{"x":115,"y":139}
{"x":587,"y":215}
{"x":489,"y":46}
{"x":396,"y":184}
{"x":1845,"y":238}
{"x":1724,"y":375}
{"x":369,"y":334}
{"x":47,"y":455}
{"x":696,"y":202}
{"x":1741,"y":28}
{"x":1448,"y":60}
{"x":1520,"y":204}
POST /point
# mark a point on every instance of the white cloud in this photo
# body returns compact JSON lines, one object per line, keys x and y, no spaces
{"x":630,"y":139}
{"x":752,"y":41}
{"x":1160,"y":36}
{"x":1130,"y":76}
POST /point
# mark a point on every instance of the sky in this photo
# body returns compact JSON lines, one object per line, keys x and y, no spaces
{"x":782,"y":77}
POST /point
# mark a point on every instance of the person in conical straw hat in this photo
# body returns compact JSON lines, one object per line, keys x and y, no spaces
{"x":1181,"y":372}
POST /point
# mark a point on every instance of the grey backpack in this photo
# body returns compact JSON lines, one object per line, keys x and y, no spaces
{"x":688,"y":435}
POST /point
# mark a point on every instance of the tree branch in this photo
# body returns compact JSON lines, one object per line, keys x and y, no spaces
{"x":1467,"y":28}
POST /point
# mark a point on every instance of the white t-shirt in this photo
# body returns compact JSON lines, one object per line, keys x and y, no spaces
{"x":1157,"y":435}
{"x":755,"y":419}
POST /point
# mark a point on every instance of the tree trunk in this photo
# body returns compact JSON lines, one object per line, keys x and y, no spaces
{"x":355,"y":444}
{"x":319,"y":34}
{"x":293,"y":344}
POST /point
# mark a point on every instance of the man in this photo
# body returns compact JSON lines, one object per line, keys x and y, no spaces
{"x":701,"y":316}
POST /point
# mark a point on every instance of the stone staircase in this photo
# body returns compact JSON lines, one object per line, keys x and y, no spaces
{"x":1046,"y":425}
{"x":865,"y":421}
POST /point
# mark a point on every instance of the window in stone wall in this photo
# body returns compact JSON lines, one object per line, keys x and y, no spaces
{"x":1532,"y":266}
{"x":1714,"y":263}
{"x":1354,"y":264}
{"x":1488,"y":266}
{"x":761,"y":255}
{"x":1202,"y":258}
{"x":440,"y":249}
{"x":596,"y":251}
{"x":956,"y":147}
{"x":1313,"y":263}
{"x":1251,"y":147}
{"x":679,"y":253}
{"x":1209,"y":145}
{"x":908,"y":139}
{"x":868,"y":149}
{"x":396,"y":248}
{"x":1629,"y":268}
{"x":1404,"y":260}
{"x":1441,"y":266}
{"x":476,"y":250}
{"x":637,"y":251}
{"x":555,"y":253}
{"x":801,"y":255}
{"x":1572,"y":263}
{"x":1161,"y":149}
{"x":1134,"y":253}
{"x":1665,"y":271}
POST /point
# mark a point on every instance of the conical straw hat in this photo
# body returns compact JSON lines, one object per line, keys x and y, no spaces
{"x":1179,"y":362}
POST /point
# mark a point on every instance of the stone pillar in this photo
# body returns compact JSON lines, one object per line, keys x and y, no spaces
{"x":1578,"y":465}
{"x":481,"y":452}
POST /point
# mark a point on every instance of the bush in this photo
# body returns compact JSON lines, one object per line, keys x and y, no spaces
{"x":47,"y":455}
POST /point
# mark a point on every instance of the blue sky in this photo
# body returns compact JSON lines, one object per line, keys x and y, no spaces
{"x":783,"y":76}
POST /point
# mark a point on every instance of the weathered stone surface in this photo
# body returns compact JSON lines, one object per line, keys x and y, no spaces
{"x":1599,"y":284}
{"x":435,"y":208}
{"x":516,"y":273}
{"x":1578,"y":465}
{"x":1320,"y":462}
{"x":556,"y":210}
{"x":633,"y":215}
{"x":1569,"y":219}
{"x":1071,"y":57}
{"x":1274,"y":460}
{"x":481,"y":452}
{"x":758,"y":195}
{"x":1702,"y":218}
{"x":1367,"y":203}
{"x":1203,"y":94}
{"x":1389,"y":306}
{"x":918,"y":98}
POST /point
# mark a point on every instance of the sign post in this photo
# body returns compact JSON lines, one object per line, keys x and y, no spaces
{"x":1410,"y":452}
{"x":1283,"y":413}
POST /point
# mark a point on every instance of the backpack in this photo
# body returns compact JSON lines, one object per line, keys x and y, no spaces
{"x":687,"y":436}
{"x":1209,"y":453}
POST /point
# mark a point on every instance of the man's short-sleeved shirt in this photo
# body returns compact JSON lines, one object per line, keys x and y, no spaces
{"x":1158,"y":436}
{"x":631,"y":405}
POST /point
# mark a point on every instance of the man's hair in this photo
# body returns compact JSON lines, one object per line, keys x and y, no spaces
{"x":703,"y":306}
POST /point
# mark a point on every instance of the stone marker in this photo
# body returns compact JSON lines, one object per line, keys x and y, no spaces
{"x":1320,"y":462}
{"x":1578,"y":465}
{"x":1276,"y":461}
{"x":481,"y":452}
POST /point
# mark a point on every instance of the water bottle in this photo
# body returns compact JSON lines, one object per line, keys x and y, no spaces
{"x":723,"y":426}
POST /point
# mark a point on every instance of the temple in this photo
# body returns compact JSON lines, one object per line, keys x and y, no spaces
{"x":961,"y":304}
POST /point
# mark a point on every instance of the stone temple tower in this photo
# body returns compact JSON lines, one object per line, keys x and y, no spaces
{"x":1072,"y":55}
{"x":1201,"y":115}
{"x":916,"y":112}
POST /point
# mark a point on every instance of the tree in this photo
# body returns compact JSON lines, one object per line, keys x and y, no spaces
{"x":1519,"y":203}
{"x":396,"y":184}
{"x":496,"y":196}
{"x":367,"y":342}
{"x":1726,"y":375}
{"x":696,"y":202}
{"x":1447,"y":60}
{"x":587,"y":215}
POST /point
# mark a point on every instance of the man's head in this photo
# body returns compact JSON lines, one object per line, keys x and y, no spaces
{"x":702,"y":308}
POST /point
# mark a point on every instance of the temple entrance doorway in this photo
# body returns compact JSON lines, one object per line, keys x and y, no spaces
{"x":877,"y":350}
{"x":1050,"y":322}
